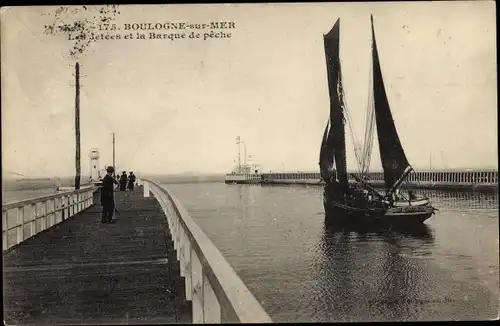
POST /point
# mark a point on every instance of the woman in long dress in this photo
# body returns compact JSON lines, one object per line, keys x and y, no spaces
{"x":123,"y":181}
{"x":131,"y":181}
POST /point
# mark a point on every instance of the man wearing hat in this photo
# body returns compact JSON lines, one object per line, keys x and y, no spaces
{"x":108,"y":195}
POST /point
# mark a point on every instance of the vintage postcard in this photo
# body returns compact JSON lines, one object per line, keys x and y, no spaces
{"x":272,"y":162}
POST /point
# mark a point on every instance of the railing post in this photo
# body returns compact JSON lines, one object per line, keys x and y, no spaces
{"x":173,"y":231}
{"x":211,"y":307}
{"x":180,"y":252}
{"x":70,"y":206}
{"x":188,"y":270}
{"x":52,"y":209}
{"x":146,"y":189}
{"x":33,"y":221}
{"x":178,"y":238}
{"x":48,"y":211}
{"x":5,"y":223}
{"x":86,"y":199}
{"x":43,"y":216}
{"x":197,"y":289}
{"x":20,"y":222}
{"x":74,"y":204}
{"x":66,"y":207}
{"x":58,"y":207}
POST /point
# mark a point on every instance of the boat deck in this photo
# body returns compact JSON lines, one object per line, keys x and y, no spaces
{"x":85,"y":272}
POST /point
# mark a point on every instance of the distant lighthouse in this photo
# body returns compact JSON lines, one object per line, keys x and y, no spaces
{"x":94,"y":165}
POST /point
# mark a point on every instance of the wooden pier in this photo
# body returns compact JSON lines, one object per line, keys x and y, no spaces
{"x":83,"y":271}
{"x":154,"y":265}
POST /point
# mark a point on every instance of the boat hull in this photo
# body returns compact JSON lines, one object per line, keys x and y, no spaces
{"x":406,"y":215}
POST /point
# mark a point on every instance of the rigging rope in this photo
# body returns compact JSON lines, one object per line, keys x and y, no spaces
{"x":362,"y":154}
{"x":347,"y":117}
{"x":369,"y":125}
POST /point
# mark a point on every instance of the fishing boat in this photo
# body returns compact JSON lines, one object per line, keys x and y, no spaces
{"x":359,"y":201}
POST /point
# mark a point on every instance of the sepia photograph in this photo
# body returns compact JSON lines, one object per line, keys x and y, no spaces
{"x":249,"y":163}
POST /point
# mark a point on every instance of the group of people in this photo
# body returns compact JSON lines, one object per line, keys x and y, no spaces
{"x":357,"y":196}
{"x":126,"y":182}
{"x":108,"y":191}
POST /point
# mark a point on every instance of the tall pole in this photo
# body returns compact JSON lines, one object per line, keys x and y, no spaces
{"x":114,"y":166}
{"x":77,"y":126}
{"x":244,"y":155}
{"x":239,"y":154}
{"x":430,"y":161}
{"x":245,"y":148}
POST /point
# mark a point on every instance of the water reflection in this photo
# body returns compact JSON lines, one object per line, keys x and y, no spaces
{"x":369,"y":273}
{"x":403,"y":276}
{"x":242,"y":205}
{"x":303,"y":270}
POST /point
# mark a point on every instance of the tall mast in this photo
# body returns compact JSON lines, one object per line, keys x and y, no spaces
{"x":239,"y":154}
{"x":77,"y":126}
{"x":245,"y":155}
{"x":114,"y":166}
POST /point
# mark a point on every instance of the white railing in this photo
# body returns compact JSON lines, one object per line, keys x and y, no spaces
{"x":212,"y":285}
{"x":243,"y":177}
{"x":23,"y":219}
{"x":486,"y":177}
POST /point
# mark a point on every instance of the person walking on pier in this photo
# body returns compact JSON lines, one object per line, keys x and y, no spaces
{"x":108,"y":195}
{"x":123,"y":181}
{"x":131,"y":181}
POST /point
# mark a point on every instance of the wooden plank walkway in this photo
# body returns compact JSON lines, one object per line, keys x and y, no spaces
{"x":85,"y":272}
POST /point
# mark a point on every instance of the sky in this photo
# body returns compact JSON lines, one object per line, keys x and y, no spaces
{"x":178,"y":106}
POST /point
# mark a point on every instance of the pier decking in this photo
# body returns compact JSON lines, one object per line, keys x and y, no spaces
{"x":83,"y":271}
{"x":154,"y":265}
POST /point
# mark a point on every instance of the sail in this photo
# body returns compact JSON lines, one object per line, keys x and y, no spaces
{"x":333,"y":145}
{"x":394,"y":162}
{"x":326,"y":156}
